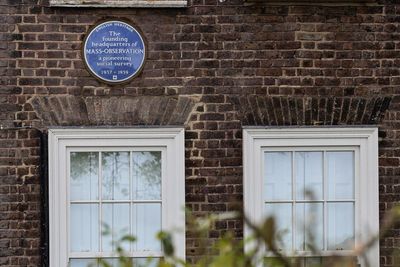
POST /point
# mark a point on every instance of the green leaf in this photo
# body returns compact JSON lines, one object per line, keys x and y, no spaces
{"x":128,"y":238}
{"x":166,"y":241}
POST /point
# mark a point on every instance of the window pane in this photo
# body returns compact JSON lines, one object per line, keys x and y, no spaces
{"x":84,"y":227}
{"x":340,"y":261}
{"x":276,"y":262}
{"x":340,"y":174}
{"x":312,"y":262}
{"x":84,"y":169}
{"x":278,"y":176}
{"x":309,"y":226}
{"x":116,"y":219}
{"x":83,"y":263}
{"x":111,"y":262}
{"x":340,"y":226}
{"x":115,"y":175}
{"x":282,"y":213}
{"x":146,"y":175}
{"x":309,"y":175}
{"x":134,"y":262}
{"x":146,"y":225}
{"x":143,"y":262}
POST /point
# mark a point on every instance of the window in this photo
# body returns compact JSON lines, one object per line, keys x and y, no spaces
{"x":320,"y":184}
{"x":119,"y":3}
{"x":108,"y":183}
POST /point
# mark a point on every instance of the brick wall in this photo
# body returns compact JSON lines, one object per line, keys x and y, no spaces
{"x":20,"y":192}
{"x":8,"y":72}
{"x":214,"y":67}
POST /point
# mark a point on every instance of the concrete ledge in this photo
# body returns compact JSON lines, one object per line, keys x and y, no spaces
{"x":312,"y":2}
{"x":120,"y":3}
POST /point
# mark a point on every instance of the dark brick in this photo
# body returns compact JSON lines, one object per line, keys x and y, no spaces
{"x":211,"y":68}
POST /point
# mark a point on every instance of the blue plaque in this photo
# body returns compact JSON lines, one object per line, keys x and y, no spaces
{"x":114,"y":51}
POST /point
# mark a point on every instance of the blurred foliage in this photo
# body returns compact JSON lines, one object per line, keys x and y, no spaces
{"x":228,"y":251}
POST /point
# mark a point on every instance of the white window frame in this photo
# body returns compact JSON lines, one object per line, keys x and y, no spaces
{"x":168,"y":140}
{"x":363,"y":139}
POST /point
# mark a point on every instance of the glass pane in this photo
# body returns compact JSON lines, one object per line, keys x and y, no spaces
{"x":298,"y":262}
{"x":115,"y":175}
{"x":278,"y":176}
{"x":83,"y":263}
{"x":309,"y":175}
{"x":312,"y":262}
{"x":146,"y":175}
{"x":84,"y":171}
{"x":276,"y":262}
{"x":309,"y":226}
{"x":340,"y":174}
{"x":134,"y":262}
{"x":146,"y":225}
{"x":340,"y":226}
{"x":282,"y":213}
{"x":84,"y":227}
{"x":115,"y":226}
{"x":146,"y":262}
{"x":340,"y":261}
{"x":111,"y":262}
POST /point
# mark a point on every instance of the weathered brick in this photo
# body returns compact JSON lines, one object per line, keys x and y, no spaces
{"x":211,"y":68}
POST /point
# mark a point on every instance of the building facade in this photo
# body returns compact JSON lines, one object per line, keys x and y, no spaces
{"x":216,"y":70}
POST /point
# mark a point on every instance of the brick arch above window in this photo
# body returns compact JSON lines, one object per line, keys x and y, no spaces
{"x":124,"y":111}
{"x":309,"y":110}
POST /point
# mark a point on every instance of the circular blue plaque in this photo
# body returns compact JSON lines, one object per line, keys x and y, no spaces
{"x":114,"y":51}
